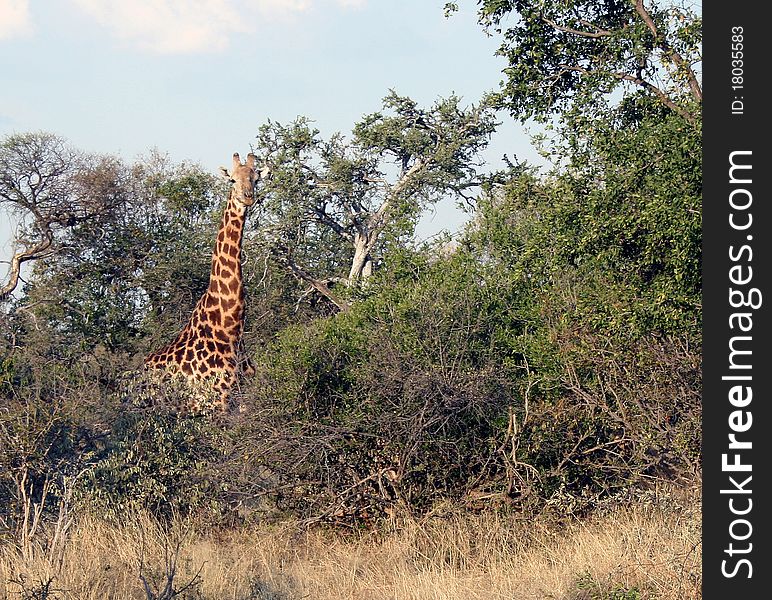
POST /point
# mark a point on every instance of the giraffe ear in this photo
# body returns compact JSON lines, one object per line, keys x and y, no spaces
{"x":251,"y":160}
{"x":224,"y":172}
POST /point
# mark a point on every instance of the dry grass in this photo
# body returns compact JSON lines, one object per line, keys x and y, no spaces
{"x":649,"y":549}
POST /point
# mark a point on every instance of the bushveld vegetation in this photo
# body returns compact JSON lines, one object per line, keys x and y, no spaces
{"x":513,"y":413}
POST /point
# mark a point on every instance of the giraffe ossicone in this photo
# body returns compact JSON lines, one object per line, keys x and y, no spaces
{"x":208,"y":352}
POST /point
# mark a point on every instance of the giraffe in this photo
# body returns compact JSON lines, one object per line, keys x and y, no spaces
{"x":208,"y":351}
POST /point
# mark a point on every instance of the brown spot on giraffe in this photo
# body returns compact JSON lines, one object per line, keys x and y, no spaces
{"x":206,"y":350}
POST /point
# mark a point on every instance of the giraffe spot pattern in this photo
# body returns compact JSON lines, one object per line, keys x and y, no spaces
{"x":206,"y":348}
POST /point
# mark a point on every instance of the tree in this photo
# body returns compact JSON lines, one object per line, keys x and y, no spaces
{"x":138,"y":267}
{"x":45,"y":186}
{"x":572,"y":55}
{"x":332,"y":207}
{"x":624,"y":213}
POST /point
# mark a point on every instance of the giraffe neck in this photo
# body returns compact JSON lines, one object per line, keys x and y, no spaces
{"x":210,"y":341}
{"x":225,"y":279}
{"x":209,"y":349}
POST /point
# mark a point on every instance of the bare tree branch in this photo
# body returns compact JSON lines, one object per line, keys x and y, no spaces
{"x":664,"y":98}
{"x":669,"y":53}
{"x":41,"y":250}
{"x":321,"y":286}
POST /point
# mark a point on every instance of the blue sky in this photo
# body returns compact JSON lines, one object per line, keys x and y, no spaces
{"x":196,"y":78}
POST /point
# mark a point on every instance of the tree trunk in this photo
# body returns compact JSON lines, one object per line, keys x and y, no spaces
{"x":362,"y":263}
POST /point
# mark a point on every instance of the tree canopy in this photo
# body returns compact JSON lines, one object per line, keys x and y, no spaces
{"x":332,"y":207}
{"x":47,"y":188}
{"x":566,"y":57}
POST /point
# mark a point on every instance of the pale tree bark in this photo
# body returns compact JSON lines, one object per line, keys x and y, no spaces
{"x":331,"y":204}
{"x":362,"y":262}
{"x":50,"y":189}
{"x":371,"y":226}
{"x":41,"y":250}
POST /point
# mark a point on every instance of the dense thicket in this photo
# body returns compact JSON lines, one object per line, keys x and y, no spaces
{"x":552,"y":355}
{"x":549,"y":356}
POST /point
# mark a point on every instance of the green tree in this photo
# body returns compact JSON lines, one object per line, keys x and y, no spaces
{"x":626,"y":208}
{"x":603,"y":260}
{"x":45,"y":188}
{"x":133,"y":269}
{"x":332,"y":207}
{"x":566,"y":57}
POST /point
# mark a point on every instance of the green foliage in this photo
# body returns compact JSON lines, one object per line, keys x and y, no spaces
{"x":155,"y":461}
{"x":569,"y":57}
{"x":333,"y":209}
{"x":388,"y":405}
{"x":594,"y":590}
{"x":624,"y":216}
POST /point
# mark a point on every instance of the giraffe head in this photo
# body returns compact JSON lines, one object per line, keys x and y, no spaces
{"x":244,"y":177}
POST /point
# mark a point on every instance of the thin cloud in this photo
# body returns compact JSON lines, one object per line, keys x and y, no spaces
{"x":283,"y":7}
{"x":351,"y":3}
{"x":169,"y":26}
{"x":194,"y":26}
{"x":15,"y":18}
